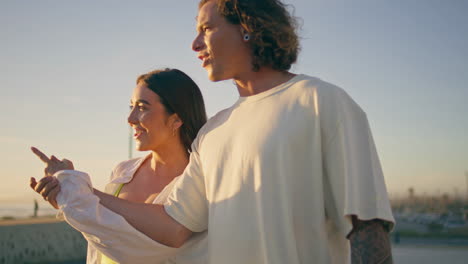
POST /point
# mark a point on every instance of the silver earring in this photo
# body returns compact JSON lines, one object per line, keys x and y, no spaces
{"x":246,"y":37}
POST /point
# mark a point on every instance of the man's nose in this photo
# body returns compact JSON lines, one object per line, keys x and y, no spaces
{"x":197,"y":43}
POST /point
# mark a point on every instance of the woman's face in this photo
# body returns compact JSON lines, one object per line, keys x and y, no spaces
{"x":149,"y":119}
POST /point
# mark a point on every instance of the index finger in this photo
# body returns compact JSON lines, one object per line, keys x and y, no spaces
{"x":40,"y":155}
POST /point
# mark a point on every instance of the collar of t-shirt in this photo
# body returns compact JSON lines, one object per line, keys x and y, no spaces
{"x":253,"y":98}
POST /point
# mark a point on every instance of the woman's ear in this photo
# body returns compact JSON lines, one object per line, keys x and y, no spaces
{"x":176,"y":122}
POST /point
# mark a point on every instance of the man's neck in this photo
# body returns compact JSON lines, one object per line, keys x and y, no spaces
{"x":251,"y":83}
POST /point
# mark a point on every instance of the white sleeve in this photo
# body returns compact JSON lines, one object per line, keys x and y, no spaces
{"x":105,"y":230}
{"x":187,"y":203}
{"x":354,"y":182}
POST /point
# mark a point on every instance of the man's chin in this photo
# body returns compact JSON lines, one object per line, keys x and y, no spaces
{"x":215,"y":77}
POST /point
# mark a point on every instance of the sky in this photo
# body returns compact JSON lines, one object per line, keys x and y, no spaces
{"x":67,"y":70}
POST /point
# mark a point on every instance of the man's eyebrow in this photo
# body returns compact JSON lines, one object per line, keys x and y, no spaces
{"x":201,"y":25}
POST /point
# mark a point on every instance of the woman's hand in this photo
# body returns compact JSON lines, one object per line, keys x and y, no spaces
{"x":49,"y":186}
{"x":53,"y":164}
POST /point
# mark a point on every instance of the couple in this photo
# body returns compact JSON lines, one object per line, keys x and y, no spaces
{"x":288,"y":174}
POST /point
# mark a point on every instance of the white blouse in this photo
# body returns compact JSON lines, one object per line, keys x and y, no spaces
{"x":108,"y":232}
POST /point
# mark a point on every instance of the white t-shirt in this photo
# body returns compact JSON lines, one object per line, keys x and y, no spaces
{"x":110,"y":233}
{"x":275,"y":177}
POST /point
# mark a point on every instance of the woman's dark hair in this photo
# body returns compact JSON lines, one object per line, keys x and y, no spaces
{"x":272,"y":29}
{"x":179,"y":94}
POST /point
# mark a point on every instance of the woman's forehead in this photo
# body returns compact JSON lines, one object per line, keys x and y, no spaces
{"x":143,"y":93}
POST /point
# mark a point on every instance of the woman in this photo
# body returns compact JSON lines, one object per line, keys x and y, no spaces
{"x":167,"y":110}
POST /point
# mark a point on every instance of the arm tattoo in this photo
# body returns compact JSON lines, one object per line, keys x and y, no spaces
{"x":370,"y":242}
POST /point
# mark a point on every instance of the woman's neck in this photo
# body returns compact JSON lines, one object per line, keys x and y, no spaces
{"x":169,"y":161}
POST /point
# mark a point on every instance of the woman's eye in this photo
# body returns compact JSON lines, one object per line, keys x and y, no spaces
{"x":139,"y":107}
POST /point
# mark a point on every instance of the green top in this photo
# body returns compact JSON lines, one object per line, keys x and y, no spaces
{"x":117,"y":192}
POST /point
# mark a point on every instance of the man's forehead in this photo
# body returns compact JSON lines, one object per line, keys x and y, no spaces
{"x":204,"y":12}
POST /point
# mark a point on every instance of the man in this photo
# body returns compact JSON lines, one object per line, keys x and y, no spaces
{"x":289,"y":173}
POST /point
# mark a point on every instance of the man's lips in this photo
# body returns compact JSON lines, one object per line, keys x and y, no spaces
{"x":205,"y":60}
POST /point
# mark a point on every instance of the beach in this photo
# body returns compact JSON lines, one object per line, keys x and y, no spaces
{"x":48,"y":240}
{"x":40,"y":240}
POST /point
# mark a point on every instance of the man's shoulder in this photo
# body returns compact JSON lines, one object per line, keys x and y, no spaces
{"x":212,"y":123}
{"x":215,"y":120}
{"x":317,"y":91}
{"x":317,"y":85}
{"x":330,"y":98}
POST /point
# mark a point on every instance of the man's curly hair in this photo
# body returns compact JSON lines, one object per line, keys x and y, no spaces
{"x":273,"y":37}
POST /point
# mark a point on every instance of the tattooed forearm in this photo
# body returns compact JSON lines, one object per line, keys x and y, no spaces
{"x":370,"y":242}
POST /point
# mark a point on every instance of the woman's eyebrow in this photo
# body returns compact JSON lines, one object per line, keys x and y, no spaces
{"x":142,"y":101}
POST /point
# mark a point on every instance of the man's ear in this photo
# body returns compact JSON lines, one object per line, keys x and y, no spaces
{"x":242,"y":30}
{"x":244,"y":33}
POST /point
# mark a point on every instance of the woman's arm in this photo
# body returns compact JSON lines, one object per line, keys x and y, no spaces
{"x":115,"y":230}
{"x":104,"y":229}
{"x":150,"y":219}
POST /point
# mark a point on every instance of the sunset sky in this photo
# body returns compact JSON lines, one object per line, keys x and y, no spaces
{"x":67,"y":70}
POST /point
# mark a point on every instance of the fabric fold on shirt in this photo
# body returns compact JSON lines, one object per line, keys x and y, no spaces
{"x":104,"y":229}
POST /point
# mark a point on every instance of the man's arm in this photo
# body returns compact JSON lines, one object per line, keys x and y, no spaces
{"x":150,"y":219}
{"x":370,"y":242}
